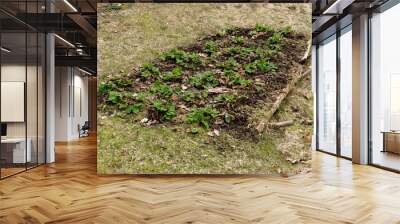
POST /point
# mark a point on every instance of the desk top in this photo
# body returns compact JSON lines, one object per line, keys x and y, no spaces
{"x":391,"y":132}
{"x":13,"y":140}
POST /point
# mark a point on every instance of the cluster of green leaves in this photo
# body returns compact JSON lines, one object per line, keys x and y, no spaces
{"x":242,"y":51}
{"x":134,"y":108}
{"x":226,"y":97}
{"x":210,"y":47}
{"x":114,"y":97}
{"x":166,"y":110}
{"x":262,"y":65}
{"x":263,"y":27}
{"x":236,"y":79}
{"x":181,"y":57}
{"x":286,"y":30}
{"x":148,"y":70}
{"x":190,"y":96}
{"x":238,"y":40}
{"x":175,"y":74}
{"x":274,"y":42}
{"x":204,"y":80}
{"x":230,"y":64}
{"x":202,"y":116}
{"x":162,"y":90}
{"x":114,"y":84}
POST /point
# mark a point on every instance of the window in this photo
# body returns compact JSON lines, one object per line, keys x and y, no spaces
{"x":346,"y":92}
{"x":327,"y":95}
{"x":385,"y":89}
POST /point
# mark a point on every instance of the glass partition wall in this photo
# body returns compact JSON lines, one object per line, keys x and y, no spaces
{"x":22,"y":89}
{"x":334,"y":93}
{"x":385,"y":89}
{"x":327,"y":95}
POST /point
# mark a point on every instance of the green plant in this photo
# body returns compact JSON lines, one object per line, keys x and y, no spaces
{"x":148,"y":70}
{"x":250,"y":68}
{"x":166,"y":110}
{"x":106,"y":87}
{"x":238,"y":40}
{"x":134,"y":108}
{"x":202,"y":116}
{"x":189,"y":96}
{"x":114,"y":97}
{"x":204,"y":80}
{"x":286,"y":30}
{"x":230,"y":64}
{"x":261,"y":65}
{"x":236,"y":79}
{"x":226,"y":97}
{"x":275,"y":39}
{"x":181,"y":57}
{"x":263,"y":27}
{"x":265,"y":66}
{"x":240,"y":81}
{"x":161,"y":89}
{"x":228,"y":118}
{"x":242,"y":51}
{"x":210,"y":47}
{"x":176,"y":73}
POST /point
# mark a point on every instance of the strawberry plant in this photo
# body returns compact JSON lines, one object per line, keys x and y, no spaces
{"x":202,"y":116}
{"x":161,"y":89}
{"x":134,"y":108}
{"x":175,"y":74}
{"x":166,"y":111}
{"x":204,"y":80}
{"x":181,"y":57}
{"x":210,"y":47}
{"x":149,"y":70}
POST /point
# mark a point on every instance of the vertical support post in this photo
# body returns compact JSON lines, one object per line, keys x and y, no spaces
{"x":360,"y":90}
{"x":50,"y":93}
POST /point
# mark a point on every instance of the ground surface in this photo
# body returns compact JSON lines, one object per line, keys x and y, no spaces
{"x":70,"y":191}
{"x":128,"y":147}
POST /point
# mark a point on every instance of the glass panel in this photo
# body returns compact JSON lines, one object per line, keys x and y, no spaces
{"x":346,"y":92}
{"x":31,"y":98}
{"x":327,"y":95}
{"x":41,"y":99}
{"x":385,"y":92}
{"x":13,"y":79}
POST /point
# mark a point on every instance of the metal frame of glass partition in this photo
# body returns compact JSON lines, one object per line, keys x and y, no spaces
{"x":338,"y":34}
{"x":41,"y":118}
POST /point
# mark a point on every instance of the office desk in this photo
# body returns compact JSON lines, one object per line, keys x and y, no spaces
{"x":13,"y":150}
{"x":391,"y":141}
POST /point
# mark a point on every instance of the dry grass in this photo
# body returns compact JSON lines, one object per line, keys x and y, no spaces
{"x":139,"y":32}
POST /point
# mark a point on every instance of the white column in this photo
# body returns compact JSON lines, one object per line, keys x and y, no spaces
{"x":50,"y":100}
{"x":360,"y":90}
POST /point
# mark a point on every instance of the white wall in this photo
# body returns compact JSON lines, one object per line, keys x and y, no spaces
{"x":71,"y":87}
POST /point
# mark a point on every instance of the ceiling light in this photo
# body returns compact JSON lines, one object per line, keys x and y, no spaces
{"x":64,"y":40}
{"x":338,"y":6}
{"x":70,"y":5}
{"x":5,"y":50}
{"x":84,"y":71}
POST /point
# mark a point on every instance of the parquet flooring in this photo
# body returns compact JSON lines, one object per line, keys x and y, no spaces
{"x":69,"y":191}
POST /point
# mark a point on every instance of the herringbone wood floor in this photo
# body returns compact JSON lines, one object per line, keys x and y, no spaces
{"x":69,"y":191}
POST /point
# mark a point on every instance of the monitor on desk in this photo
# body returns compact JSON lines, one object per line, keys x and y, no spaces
{"x":3,"y":130}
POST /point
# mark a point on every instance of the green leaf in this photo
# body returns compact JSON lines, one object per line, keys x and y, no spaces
{"x":134,"y":108}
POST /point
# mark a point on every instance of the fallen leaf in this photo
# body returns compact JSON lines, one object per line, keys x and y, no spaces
{"x":219,"y":90}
